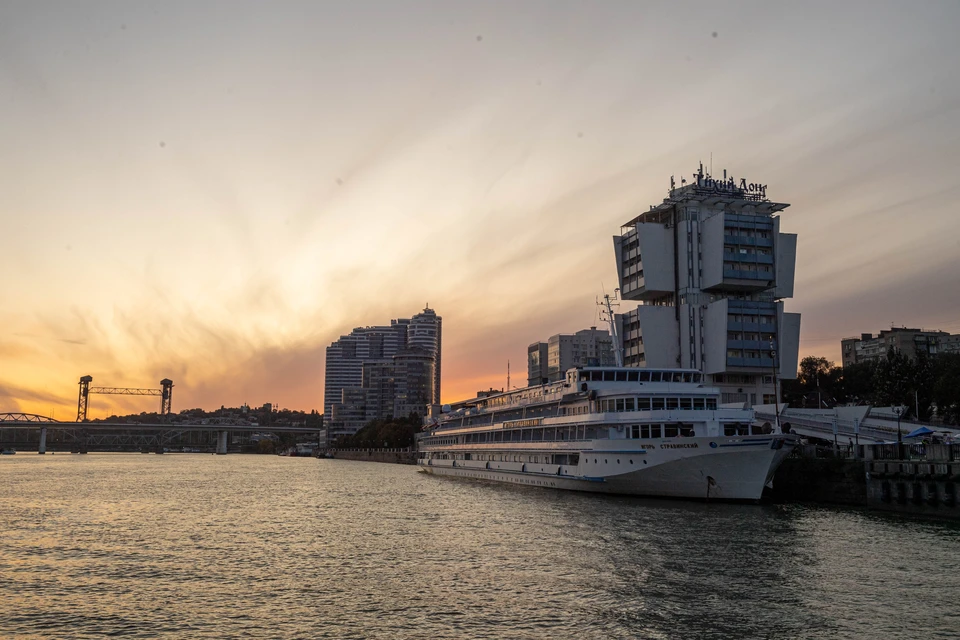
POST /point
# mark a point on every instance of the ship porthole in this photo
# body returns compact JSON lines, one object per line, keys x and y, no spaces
{"x":644,"y":462}
{"x":604,"y":461}
{"x":618,"y":460}
{"x":631,"y":462}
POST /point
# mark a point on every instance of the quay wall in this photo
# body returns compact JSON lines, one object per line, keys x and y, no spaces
{"x":395,"y":456}
{"x":820,"y":480}
{"x":921,"y":479}
{"x":926,"y":488}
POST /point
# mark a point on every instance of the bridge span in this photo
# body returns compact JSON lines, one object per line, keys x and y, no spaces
{"x":80,"y":437}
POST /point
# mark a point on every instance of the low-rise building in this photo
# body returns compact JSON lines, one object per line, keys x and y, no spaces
{"x":907,"y":341}
{"x":548,"y":361}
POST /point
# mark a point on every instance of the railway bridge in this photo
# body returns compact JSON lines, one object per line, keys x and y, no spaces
{"x":23,"y":430}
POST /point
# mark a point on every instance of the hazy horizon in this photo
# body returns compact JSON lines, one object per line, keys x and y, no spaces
{"x":215,"y":192}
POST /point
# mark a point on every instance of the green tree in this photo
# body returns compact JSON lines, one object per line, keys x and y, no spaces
{"x":945,"y":391}
{"x":818,"y":380}
{"x":894,"y":380}
{"x":394,"y":433}
{"x":924,"y":379}
{"x":858,"y":383}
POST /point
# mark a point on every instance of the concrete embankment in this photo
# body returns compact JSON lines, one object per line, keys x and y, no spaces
{"x":918,"y":479}
{"x":395,"y":456}
{"x":820,"y":480}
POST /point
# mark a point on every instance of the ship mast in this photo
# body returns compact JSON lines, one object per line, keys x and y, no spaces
{"x":607,"y":305}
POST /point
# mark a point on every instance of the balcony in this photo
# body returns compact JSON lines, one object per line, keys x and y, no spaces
{"x":750,"y":258}
{"x":753,"y":345}
{"x":752,"y":363}
{"x":749,"y":242}
{"x":737,"y":274}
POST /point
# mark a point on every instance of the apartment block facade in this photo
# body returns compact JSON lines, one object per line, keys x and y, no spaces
{"x":907,"y":341}
{"x":382,"y":372}
{"x":548,"y":361}
{"x":711,"y":270}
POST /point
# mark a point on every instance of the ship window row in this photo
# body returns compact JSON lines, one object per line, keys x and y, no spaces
{"x":640,"y":376}
{"x":741,"y":429}
{"x":613,"y":405}
{"x":566,"y":434}
{"x":554,"y":458}
{"x":541,"y":434}
{"x":647,"y":431}
{"x":533,"y":395}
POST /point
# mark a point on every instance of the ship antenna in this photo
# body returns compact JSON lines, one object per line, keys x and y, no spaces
{"x":508,"y":375}
{"x":607,"y":306}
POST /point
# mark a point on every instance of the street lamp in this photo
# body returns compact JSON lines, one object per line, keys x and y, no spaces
{"x":899,"y":411}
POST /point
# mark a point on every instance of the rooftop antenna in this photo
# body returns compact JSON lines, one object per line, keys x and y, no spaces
{"x":607,"y":306}
{"x":508,"y":375}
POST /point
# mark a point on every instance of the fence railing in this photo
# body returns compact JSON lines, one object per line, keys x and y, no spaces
{"x":920,"y":451}
{"x":843,"y":451}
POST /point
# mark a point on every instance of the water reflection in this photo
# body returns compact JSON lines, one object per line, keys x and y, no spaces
{"x":206,"y":546}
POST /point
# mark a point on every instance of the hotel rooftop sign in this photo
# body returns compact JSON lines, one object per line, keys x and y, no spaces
{"x":731,"y":186}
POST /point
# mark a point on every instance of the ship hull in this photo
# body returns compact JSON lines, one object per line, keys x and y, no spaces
{"x":705,"y":468}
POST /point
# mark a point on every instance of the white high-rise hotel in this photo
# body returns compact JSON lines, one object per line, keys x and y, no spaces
{"x":711,"y":270}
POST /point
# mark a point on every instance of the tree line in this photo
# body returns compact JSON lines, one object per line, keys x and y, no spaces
{"x":928,"y":386}
{"x":391,"y":433}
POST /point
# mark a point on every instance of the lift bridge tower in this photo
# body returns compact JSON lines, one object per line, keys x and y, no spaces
{"x":165,"y":392}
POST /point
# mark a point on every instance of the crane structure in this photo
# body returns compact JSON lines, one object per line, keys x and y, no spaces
{"x":165,"y":392}
{"x":608,"y":306}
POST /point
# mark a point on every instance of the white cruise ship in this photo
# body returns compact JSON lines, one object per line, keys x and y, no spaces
{"x":646,"y":432}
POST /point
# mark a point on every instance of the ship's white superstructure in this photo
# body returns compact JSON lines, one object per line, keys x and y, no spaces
{"x":652,"y":432}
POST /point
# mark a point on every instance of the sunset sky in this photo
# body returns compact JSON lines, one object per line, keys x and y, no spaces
{"x":215,"y":191}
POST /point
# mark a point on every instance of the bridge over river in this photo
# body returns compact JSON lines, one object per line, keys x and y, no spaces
{"x":25,"y":431}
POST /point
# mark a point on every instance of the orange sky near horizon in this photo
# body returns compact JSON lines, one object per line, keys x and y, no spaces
{"x":214,"y":193}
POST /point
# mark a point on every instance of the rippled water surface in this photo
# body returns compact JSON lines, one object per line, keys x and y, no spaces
{"x":193,"y":546}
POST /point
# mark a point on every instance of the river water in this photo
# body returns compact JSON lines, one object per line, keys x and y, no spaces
{"x":202,"y":546}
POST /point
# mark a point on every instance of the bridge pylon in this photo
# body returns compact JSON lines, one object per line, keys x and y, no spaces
{"x":84,"y":396}
{"x":166,"y":396}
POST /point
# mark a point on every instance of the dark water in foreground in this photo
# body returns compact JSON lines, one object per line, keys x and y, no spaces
{"x":191,"y":546}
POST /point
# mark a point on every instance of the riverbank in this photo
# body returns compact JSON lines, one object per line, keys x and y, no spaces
{"x":393,"y":456}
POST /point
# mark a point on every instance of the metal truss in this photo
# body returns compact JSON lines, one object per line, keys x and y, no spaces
{"x":165,"y":393}
{"x":24,"y":417}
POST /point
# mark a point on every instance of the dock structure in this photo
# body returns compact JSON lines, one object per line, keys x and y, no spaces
{"x":920,"y":479}
{"x":914,"y":479}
